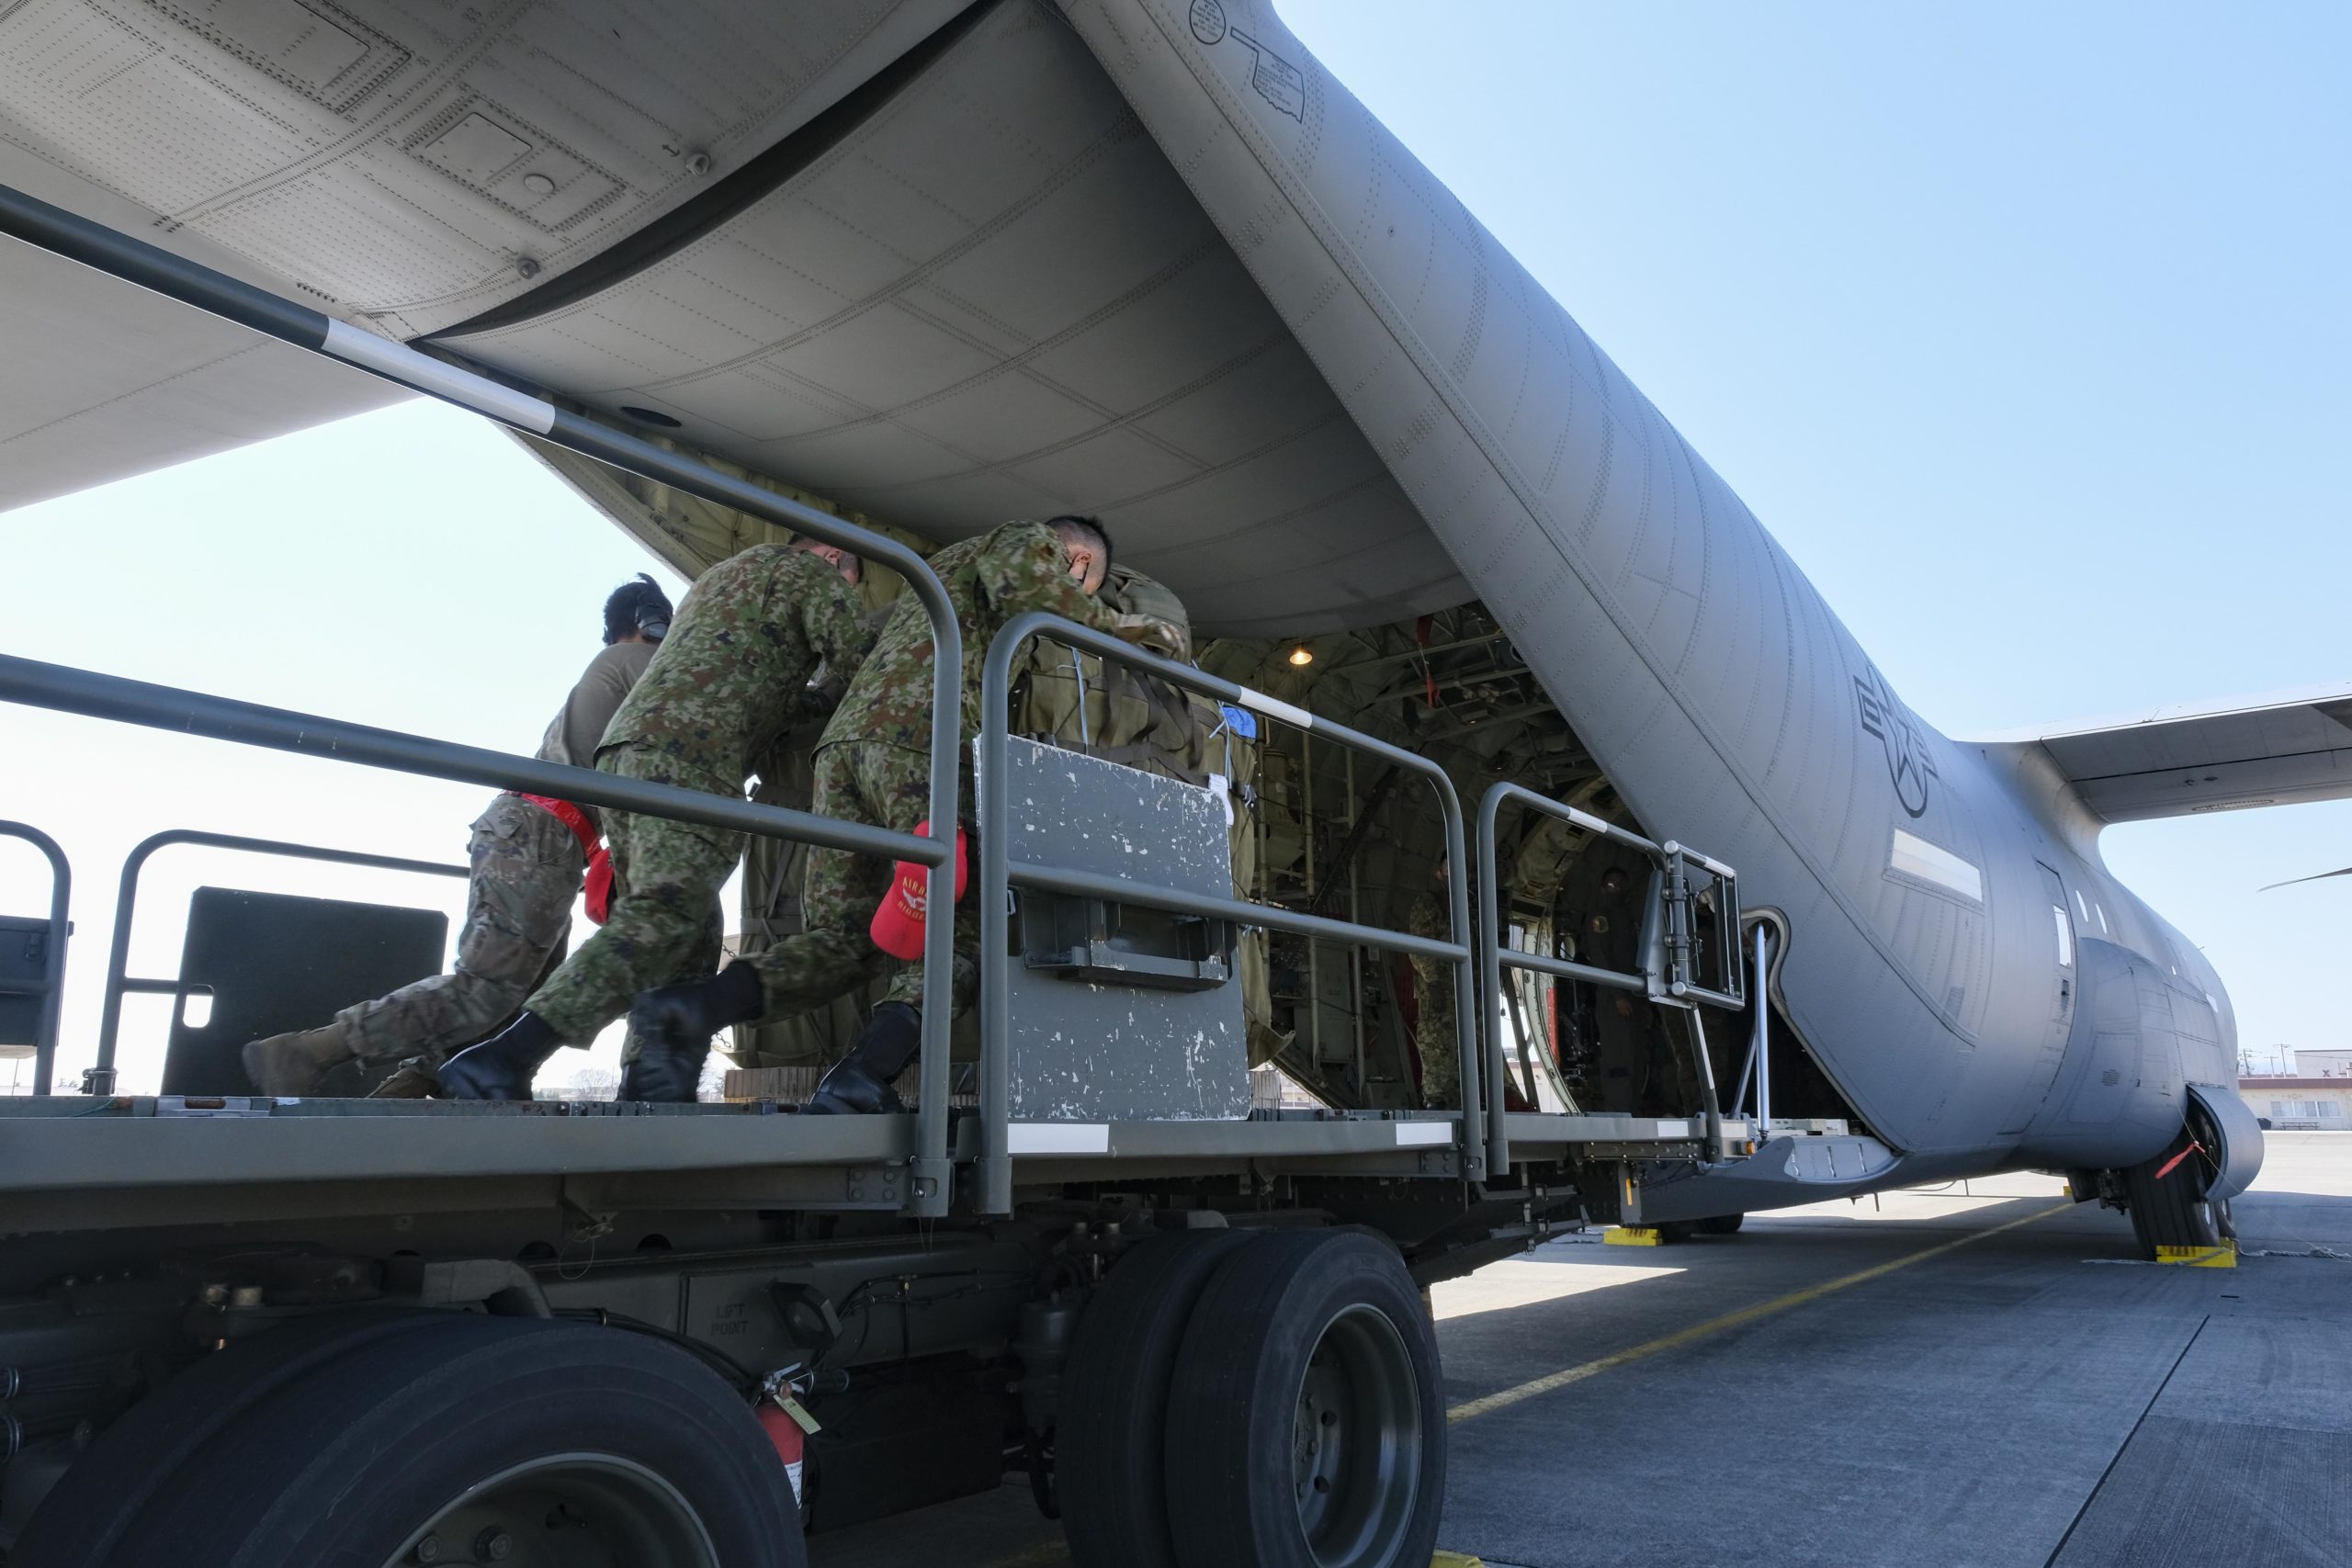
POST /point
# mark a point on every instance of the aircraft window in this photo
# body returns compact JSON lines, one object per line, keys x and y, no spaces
{"x":2066,"y":937}
{"x":2102,"y":918}
{"x":2085,"y":908}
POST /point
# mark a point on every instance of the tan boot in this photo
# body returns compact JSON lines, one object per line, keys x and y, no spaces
{"x":297,"y":1063}
{"x":413,"y":1079}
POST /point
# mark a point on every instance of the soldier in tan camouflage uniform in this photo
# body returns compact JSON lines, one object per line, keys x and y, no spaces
{"x":873,"y":765}
{"x":1433,"y":1023}
{"x":732,"y":675}
{"x":527,"y":855}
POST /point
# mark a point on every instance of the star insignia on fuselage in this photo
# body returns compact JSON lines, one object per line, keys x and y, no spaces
{"x":1908,"y":762}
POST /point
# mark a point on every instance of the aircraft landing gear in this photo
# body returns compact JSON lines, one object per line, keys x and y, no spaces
{"x":2165,"y":1198}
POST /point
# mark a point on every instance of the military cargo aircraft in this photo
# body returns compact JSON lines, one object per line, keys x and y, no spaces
{"x":891,"y":272}
{"x":935,"y":263}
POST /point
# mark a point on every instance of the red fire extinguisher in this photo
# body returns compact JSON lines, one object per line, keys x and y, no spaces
{"x":898,"y":925}
{"x":788,"y":1425}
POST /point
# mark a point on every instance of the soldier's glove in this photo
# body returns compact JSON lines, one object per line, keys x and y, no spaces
{"x":1149,"y":632}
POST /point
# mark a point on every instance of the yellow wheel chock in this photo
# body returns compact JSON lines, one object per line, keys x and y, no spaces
{"x":1632,"y":1236}
{"x":2222,"y":1254}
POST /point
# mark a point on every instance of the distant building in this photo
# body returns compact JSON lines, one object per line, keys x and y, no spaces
{"x":2300,"y":1103}
{"x":2330,"y":1064}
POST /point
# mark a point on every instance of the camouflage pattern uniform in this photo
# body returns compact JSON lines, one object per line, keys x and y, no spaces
{"x":527,"y":870}
{"x":874,"y":762}
{"x":1433,"y":1024}
{"x":732,"y":674}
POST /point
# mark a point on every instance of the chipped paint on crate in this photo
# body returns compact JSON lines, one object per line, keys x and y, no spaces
{"x":1088,"y":1048}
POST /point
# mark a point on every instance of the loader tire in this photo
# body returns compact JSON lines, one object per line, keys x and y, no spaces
{"x":105,"y":1491}
{"x":570,"y":1443}
{"x":1111,"y":1442}
{"x":1307,"y":1424}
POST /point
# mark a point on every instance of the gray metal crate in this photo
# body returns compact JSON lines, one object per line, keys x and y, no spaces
{"x":1120,"y":1013}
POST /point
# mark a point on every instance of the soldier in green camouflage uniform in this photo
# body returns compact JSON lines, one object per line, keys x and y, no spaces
{"x":526,"y":865}
{"x":1433,"y":1024}
{"x":732,"y":675}
{"x":873,"y":765}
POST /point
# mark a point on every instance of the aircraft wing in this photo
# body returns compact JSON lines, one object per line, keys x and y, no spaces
{"x":106,"y":381}
{"x":399,"y":168}
{"x":2279,"y":749}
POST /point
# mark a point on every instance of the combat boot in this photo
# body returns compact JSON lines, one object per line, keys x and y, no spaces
{"x":502,"y":1067}
{"x":297,"y":1063}
{"x":859,"y":1084}
{"x":671,"y":1027}
{"x":413,"y":1079}
{"x":663,"y":1078}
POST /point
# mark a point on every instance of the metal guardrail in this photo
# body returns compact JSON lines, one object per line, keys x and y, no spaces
{"x":999,"y":874}
{"x":50,"y":987}
{"x":1667,"y":942}
{"x":1758,"y":1064}
{"x":1684,"y":961}
{"x":66,"y":689}
{"x":134,"y":261}
{"x":100,"y":1079}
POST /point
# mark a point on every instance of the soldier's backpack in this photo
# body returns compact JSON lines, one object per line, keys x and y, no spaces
{"x":1069,"y":698}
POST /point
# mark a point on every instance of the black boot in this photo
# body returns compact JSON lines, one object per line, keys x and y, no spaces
{"x":501,"y":1067}
{"x":671,"y":1026}
{"x":859,"y":1084}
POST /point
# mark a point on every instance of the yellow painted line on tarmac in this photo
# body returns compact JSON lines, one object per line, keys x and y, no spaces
{"x":1487,"y":1405}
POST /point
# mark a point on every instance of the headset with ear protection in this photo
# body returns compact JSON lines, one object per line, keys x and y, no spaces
{"x":648,"y":616}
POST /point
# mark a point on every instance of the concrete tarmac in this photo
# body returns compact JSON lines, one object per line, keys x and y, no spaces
{"x":1978,"y":1374}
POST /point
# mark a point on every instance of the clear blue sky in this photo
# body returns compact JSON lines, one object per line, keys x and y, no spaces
{"x":2023,"y":327}
{"x":411,"y":569}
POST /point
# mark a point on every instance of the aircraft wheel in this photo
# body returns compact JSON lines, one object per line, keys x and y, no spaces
{"x":1307,"y":1425}
{"x":2172,"y":1210}
{"x":105,"y":1491}
{"x":1111,"y":1440}
{"x":558,"y":1444}
{"x":1722,"y":1224}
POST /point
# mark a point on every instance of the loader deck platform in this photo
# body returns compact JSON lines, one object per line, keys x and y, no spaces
{"x":147,"y":1159}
